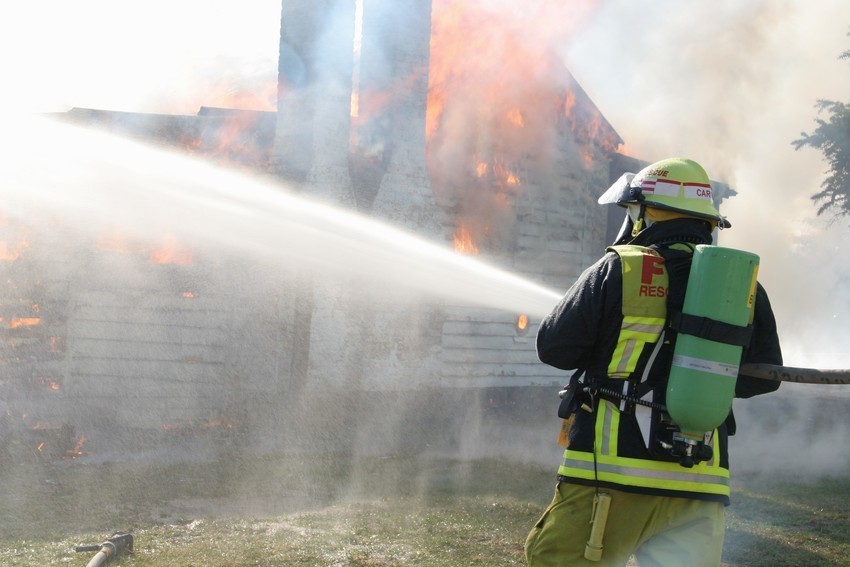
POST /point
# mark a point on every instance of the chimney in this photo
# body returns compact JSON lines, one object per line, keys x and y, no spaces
{"x":314,"y":95}
{"x":394,"y":62}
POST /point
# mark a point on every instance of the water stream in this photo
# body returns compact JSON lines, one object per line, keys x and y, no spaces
{"x":94,"y":180}
{"x":170,"y":362}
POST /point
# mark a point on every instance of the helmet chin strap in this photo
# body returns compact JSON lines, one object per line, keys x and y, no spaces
{"x":637,"y":212}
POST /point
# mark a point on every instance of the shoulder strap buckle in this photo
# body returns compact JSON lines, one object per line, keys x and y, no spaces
{"x":710,"y":329}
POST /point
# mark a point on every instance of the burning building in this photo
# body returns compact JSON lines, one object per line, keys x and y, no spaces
{"x":386,"y":108}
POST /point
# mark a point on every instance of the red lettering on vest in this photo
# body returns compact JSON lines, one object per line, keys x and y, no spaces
{"x":652,"y":266}
{"x":652,"y":291}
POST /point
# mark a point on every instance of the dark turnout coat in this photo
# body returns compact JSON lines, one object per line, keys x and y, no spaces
{"x":582,"y":332}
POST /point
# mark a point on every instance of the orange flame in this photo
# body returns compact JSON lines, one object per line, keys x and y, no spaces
{"x":626,"y":150}
{"x":45,"y":382}
{"x":481,"y":57}
{"x":463,"y":242}
{"x":18,"y":322}
{"x":167,"y":251}
{"x":569,"y":102}
{"x":170,"y":251}
{"x":588,"y":124}
{"x":498,"y":95}
{"x":515,"y":116}
{"x":521,"y":325}
{"x":10,"y":253}
{"x":505,"y":175}
{"x":77,"y":451}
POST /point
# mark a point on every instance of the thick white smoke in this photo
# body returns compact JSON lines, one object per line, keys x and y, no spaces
{"x":732,"y":84}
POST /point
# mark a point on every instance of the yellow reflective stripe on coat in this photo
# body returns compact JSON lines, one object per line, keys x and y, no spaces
{"x":607,"y":428}
{"x":645,"y":285}
{"x":635,"y":333}
{"x":645,"y":473}
{"x":707,"y":477}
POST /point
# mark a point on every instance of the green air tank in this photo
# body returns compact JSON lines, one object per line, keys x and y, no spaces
{"x":701,"y":387}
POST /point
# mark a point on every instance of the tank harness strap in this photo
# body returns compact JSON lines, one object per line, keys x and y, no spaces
{"x":710,"y":329}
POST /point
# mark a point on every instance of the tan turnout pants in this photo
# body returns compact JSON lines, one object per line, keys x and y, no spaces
{"x":659,"y":531}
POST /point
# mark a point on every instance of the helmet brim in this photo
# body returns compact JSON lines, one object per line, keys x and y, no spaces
{"x":620,"y":192}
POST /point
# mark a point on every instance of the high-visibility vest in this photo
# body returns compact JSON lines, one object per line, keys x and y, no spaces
{"x":645,"y":287}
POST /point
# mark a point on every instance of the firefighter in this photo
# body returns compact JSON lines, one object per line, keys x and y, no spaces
{"x":646,"y":500}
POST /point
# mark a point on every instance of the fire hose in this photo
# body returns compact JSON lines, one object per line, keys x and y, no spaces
{"x":115,"y":545}
{"x":760,"y":370}
{"x":798,"y":375}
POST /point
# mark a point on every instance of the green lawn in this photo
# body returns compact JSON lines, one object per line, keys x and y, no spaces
{"x":339,"y":510}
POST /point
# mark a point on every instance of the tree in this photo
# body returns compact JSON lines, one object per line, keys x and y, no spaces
{"x":832,"y":138}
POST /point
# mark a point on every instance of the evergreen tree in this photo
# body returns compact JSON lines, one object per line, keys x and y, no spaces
{"x":832,"y":138}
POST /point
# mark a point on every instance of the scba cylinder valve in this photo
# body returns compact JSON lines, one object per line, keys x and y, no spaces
{"x":689,"y":451}
{"x":685,"y":449}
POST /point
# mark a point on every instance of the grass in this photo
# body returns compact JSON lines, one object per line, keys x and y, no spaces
{"x":789,"y":522}
{"x":338,"y":510}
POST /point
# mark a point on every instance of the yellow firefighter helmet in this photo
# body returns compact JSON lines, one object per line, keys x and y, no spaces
{"x":676,"y":184}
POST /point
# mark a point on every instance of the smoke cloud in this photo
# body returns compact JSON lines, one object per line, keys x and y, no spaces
{"x":732,"y":85}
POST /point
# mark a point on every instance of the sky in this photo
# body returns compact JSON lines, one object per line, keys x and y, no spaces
{"x":728,"y":83}
{"x":154,"y":56}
